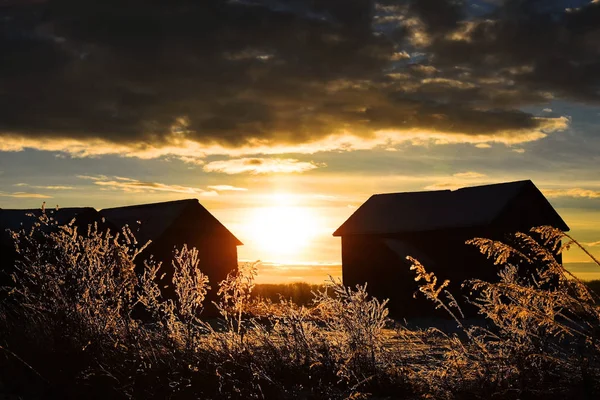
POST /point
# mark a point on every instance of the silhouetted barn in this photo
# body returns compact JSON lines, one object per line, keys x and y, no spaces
{"x":172,"y":224}
{"x":24,"y":219}
{"x":433,"y":227}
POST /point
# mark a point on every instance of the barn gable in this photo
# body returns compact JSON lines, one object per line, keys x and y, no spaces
{"x":528,"y":208}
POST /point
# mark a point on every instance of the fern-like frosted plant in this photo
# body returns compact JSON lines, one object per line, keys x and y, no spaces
{"x":357,"y":323}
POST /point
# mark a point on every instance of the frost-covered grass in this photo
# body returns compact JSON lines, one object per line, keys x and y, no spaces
{"x":79,"y":322}
{"x":300,"y":293}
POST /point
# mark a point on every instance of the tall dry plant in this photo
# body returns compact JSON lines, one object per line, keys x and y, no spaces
{"x":546,"y":319}
{"x":541,"y":337}
{"x":356,"y":323}
{"x":88,"y":277}
{"x":179,"y":316}
{"x":235,"y":294}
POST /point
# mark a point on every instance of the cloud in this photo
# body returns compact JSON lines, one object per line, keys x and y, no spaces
{"x":399,"y":55}
{"x":56,"y":187}
{"x":243,"y":78}
{"x":443,"y":186}
{"x":469,"y":175}
{"x":227,"y":188}
{"x":574,"y":192}
{"x":193,"y":152}
{"x":50,"y":187}
{"x":191,"y":160}
{"x":449,"y":82}
{"x":260,"y":166}
{"x":136,"y":186}
{"x":458,"y":180}
{"x":25,"y":195}
{"x":540,"y":46}
{"x":93,"y":178}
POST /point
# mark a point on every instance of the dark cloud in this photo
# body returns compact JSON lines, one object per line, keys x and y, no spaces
{"x":439,"y":16}
{"x":234,"y":72}
{"x":541,"y":45}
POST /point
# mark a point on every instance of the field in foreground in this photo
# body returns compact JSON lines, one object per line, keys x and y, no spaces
{"x":80,"y":323}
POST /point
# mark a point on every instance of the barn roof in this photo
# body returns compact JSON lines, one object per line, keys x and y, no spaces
{"x":150,"y":221}
{"x":442,"y":209}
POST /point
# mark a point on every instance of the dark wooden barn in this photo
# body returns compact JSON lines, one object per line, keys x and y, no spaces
{"x":23,"y":219}
{"x":433,"y":227}
{"x":172,"y":224}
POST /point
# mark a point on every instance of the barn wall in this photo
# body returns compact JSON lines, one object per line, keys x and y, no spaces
{"x":217,"y":259}
{"x":454,"y":260}
{"x":366,"y":258}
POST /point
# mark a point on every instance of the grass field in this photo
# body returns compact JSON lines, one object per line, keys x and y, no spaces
{"x":79,"y":323}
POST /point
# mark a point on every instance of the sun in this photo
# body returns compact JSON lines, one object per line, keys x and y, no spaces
{"x":281,"y":232}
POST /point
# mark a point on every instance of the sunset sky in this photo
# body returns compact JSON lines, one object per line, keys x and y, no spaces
{"x":282,"y":117}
